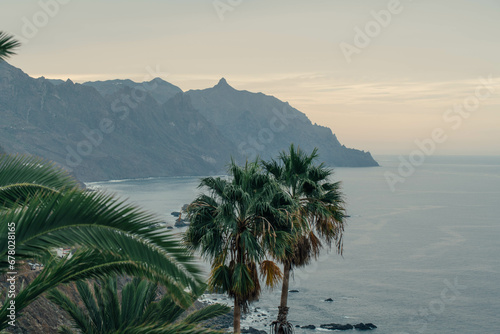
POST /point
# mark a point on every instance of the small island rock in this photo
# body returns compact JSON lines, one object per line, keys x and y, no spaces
{"x":309,"y":327}
{"x":180,"y":223}
{"x":365,"y":327}
{"x":252,"y":330}
{"x":338,"y":327}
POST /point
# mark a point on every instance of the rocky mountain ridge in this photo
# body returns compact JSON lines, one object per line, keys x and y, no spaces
{"x":121,"y":129}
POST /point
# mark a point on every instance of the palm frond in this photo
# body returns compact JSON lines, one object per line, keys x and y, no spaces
{"x":81,"y":321}
{"x":99,"y":221}
{"x":271,"y":272}
{"x":88,"y":300}
{"x":7,"y":45}
{"x":313,"y":205}
{"x":138,"y":308}
{"x":167,"y":329}
{"x":109,"y":237}
{"x":206,"y":313}
{"x":22,"y":177}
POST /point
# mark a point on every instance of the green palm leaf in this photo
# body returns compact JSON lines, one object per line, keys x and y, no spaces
{"x":113,"y":237}
{"x":138,"y":309}
{"x":79,"y":317}
{"x":206,"y":313}
{"x":230,"y":226}
{"x":97,"y":221}
{"x":7,"y":45}
{"x":23,"y":177}
{"x":311,"y":209}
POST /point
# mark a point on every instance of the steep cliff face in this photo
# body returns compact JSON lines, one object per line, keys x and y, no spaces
{"x":262,"y":125}
{"x":121,"y":129}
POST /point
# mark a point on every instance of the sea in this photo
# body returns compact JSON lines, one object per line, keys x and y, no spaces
{"x":420,"y":256}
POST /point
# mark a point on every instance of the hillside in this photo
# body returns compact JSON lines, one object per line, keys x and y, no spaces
{"x":120,"y":129}
{"x":100,"y":138}
{"x":159,"y":89}
{"x":262,"y":125}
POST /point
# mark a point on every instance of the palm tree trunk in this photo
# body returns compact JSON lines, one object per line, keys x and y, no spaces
{"x":237,"y":316}
{"x":283,"y":308}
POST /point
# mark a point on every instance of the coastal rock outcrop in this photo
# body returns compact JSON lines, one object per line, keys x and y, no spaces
{"x":364,"y":327}
{"x":181,"y":223}
{"x":339,"y":327}
{"x":252,"y":330}
{"x":309,"y":327}
{"x":245,"y":118}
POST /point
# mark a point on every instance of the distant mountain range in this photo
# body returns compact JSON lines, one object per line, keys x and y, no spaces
{"x":122,"y":129}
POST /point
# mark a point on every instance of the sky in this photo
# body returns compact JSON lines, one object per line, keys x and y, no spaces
{"x":385,"y":76}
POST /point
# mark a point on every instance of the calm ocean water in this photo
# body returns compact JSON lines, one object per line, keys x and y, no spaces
{"x":421,"y":259}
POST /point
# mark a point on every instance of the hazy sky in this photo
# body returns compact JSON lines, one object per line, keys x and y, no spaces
{"x":379,"y":81}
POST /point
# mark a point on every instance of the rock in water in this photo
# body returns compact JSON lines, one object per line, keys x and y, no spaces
{"x":180,"y":223}
{"x":338,"y":327}
{"x":252,"y":330}
{"x":361,"y":326}
{"x":309,"y":327}
{"x":364,"y":327}
{"x":329,"y":300}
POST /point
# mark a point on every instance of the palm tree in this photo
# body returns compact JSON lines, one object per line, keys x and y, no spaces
{"x":230,"y":229}
{"x":7,"y":45}
{"x":104,"y":312}
{"x":316,"y":215}
{"x":41,"y":205}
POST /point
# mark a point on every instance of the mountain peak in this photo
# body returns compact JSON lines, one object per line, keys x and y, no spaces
{"x":222,"y":83}
{"x":158,"y":79}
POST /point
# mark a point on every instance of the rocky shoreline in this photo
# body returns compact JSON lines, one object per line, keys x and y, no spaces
{"x":338,"y":327}
{"x":225,"y":322}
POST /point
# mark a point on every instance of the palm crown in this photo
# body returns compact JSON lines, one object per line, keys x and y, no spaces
{"x":230,"y":228}
{"x":315,"y":210}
